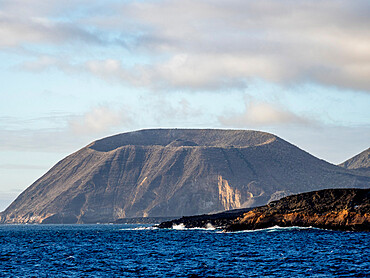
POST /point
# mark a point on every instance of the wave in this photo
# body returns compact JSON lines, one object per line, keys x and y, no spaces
{"x":181,"y":226}
{"x":139,"y":228}
{"x":210,"y":227}
{"x":277,"y":229}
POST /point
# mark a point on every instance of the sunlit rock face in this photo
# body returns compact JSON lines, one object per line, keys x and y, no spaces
{"x":173,"y":172}
{"x":338,"y":209}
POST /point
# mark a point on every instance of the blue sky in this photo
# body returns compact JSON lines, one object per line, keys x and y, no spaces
{"x":75,"y":71}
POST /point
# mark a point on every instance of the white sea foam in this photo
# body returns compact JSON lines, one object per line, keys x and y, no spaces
{"x":275,"y":228}
{"x":139,"y":228}
{"x":209,"y":226}
{"x":181,"y":226}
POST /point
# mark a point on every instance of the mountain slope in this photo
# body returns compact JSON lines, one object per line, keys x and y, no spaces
{"x":358,"y":162}
{"x":173,"y":172}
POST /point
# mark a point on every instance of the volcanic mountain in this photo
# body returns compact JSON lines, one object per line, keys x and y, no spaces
{"x":173,"y":172}
{"x":358,"y":162}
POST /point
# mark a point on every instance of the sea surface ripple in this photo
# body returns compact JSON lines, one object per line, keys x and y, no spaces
{"x":140,"y":251}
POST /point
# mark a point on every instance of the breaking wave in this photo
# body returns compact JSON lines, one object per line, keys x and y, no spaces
{"x":276,"y":229}
{"x":140,"y":228}
{"x":181,"y":226}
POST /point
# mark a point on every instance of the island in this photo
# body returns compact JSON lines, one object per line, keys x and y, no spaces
{"x":142,"y":175}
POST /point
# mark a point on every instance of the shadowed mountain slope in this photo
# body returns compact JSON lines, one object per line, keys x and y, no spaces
{"x":358,"y":162}
{"x":173,"y":172}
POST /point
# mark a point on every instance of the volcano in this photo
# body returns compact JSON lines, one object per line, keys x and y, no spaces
{"x":174,"y":172}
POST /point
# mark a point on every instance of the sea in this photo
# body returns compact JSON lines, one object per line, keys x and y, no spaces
{"x":146,"y":251}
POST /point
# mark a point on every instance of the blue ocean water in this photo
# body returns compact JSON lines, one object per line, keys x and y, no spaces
{"x":140,"y":251}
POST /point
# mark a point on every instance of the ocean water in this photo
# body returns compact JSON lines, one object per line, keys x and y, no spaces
{"x":141,"y":251}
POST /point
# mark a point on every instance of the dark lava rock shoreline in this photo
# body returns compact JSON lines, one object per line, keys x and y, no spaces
{"x":335,"y":209}
{"x":219,"y":220}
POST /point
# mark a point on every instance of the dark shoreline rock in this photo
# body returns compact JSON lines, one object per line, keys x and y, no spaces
{"x":219,"y":220}
{"x":335,"y":209}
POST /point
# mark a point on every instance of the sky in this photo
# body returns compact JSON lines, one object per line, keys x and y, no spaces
{"x":75,"y":71}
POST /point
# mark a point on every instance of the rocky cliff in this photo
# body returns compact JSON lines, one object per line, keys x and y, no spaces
{"x":219,"y":220}
{"x":337,"y":209}
{"x":173,"y":172}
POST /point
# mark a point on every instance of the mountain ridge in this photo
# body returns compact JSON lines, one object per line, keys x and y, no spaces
{"x":173,"y":172}
{"x":203,"y":137}
{"x":359,"y":162}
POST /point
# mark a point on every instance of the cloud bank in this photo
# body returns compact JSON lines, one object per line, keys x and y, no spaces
{"x":206,"y":45}
{"x":98,"y":120}
{"x":262,"y":114}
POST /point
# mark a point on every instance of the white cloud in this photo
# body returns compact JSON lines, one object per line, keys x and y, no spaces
{"x":287,"y":42}
{"x":98,"y":120}
{"x":202,"y":44}
{"x":258,"y":114}
{"x":18,"y":31}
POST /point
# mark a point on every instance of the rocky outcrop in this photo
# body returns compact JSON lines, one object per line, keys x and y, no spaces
{"x":337,"y":209}
{"x":172,"y":173}
{"x":218,"y":220}
{"x":359,"y":162}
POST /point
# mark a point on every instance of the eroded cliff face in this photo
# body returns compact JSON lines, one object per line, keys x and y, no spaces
{"x":229,"y":197}
{"x":338,"y":209}
{"x":337,"y":220}
{"x":164,"y":173}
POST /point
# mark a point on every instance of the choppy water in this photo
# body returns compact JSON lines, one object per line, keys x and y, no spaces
{"x":134,"y":251}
